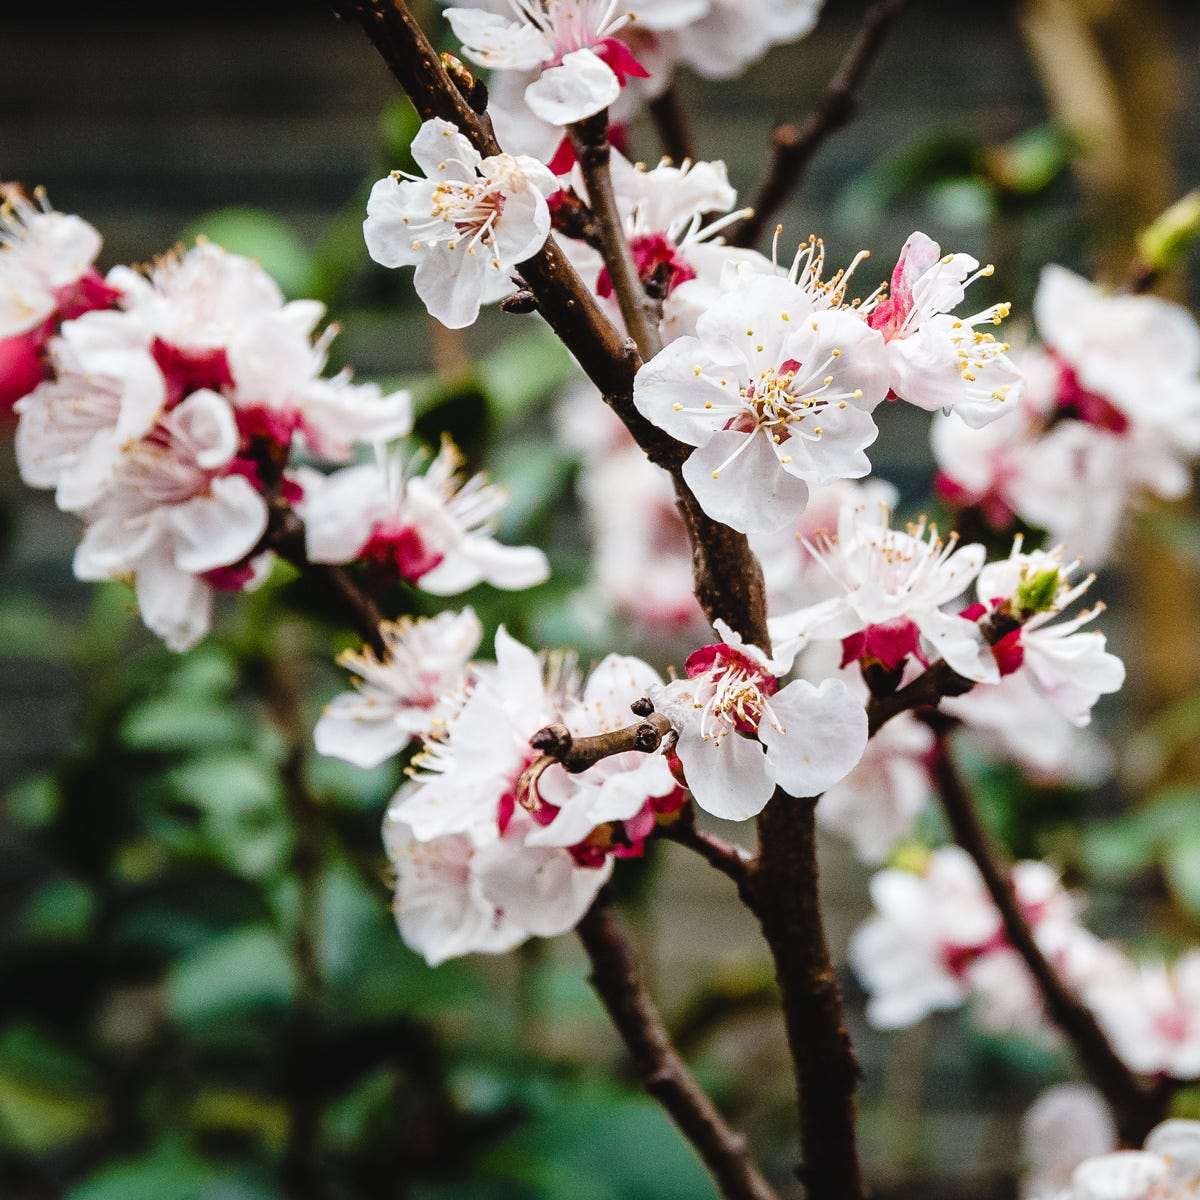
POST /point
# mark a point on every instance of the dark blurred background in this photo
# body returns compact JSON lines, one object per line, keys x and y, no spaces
{"x":200,"y":998}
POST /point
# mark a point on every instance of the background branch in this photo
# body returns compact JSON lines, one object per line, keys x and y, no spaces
{"x":617,"y":981}
{"x":671,"y":122}
{"x":1137,"y":1107}
{"x":794,"y":147}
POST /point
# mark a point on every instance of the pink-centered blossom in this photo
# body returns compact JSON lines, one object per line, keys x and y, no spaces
{"x":891,"y":587}
{"x":432,"y":529}
{"x":774,"y":393}
{"x":174,"y":515}
{"x":47,"y":275}
{"x":402,"y":695}
{"x":465,"y":226}
{"x":938,"y":360}
{"x":571,"y":45}
{"x":740,"y":736}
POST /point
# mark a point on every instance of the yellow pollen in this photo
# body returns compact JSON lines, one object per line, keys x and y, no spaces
{"x":677,"y":407}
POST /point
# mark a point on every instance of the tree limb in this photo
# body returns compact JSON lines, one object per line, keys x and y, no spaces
{"x":783,"y":893}
{"x":671,"y":121}
{"x":618,"y":983}
{"x":794,"y":147}
{"x":728,"y":859}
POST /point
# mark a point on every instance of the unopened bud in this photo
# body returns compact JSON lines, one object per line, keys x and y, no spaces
{"x":1037,"y":592}
{"x":1162,"y":244}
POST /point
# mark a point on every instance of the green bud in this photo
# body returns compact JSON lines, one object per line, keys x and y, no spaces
{"x":1162,"y":244}
{"x":1036,"y":592}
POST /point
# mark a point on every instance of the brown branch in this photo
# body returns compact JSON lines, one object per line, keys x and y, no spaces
{"x":935,"y":682}
{"x":618,"y":983}
{"x":671,"y":121}
{"x":782,"y":891}
{"x":576,"y":754}
{"x":1137,"y":1107}
{"x":641,"y":313}
{"x":794,"y":147}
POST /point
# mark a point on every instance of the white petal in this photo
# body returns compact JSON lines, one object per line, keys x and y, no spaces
{"x":728,"y":778}
{"x":580,"y":87}
{"x":824,"y":736}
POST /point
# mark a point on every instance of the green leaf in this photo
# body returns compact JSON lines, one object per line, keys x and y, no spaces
{"x":168,"y":1172}
{"x":524,"y":371}
{"x":29,"y":630}
{"x":177,"y":723}
{"x":62,"y":910}
{"x":34,"y":802}
{"x":47,"y":1096}
{"x":1181,"y":863}
{"x":244,"y":818}
{"x":244,"y":971}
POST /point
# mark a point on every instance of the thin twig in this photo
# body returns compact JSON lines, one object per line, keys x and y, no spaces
{"x":1137,"y":1107}
{"x":590,"y":139}
{"x":618,"y":983}
{"x":576,"y":754}
{"x":671,"y":121}
{"x":936,"y":682}
{"x":794,"y":147}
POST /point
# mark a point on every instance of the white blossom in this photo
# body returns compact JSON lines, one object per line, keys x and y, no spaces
{"x":939,"y":361}
{"x":1168,"y":1168}
{"x":774,"y":394}
{"x":173,"y":515}
{"x":465,"y":226}
{"x":892,"y":584}
{"x":433,"y":529}
{"x":800,"y":738}
{"x":402,"y":695}
{"x":1067,"y":1124}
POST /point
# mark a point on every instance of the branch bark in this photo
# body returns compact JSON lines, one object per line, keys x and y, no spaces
{"x":794,"y":147}
{"x":1137,"y":1107}
{"x":618,"y":983}
{"x":641,"y":313}
{"x":783,"y":893}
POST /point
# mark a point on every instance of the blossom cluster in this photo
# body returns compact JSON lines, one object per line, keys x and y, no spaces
{"x":166,"y":408}
{"x":937,"y":941}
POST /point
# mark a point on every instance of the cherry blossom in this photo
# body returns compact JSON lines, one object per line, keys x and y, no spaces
{"x":936,"y":926}
{"x":465,"y":226}
{"x":1072,"y":670}
{"x":892,"y":584}
{"x":175,"y":515}
{"x":47,"y":275}
{"x":741,"y":736}
{"x":433,"y":529}
{"x":938,"y":360}
{"x":1067,"y":1124}
{"x":581,"y":65}
{"x":774,"y":395}
{"x":402,"y":695}
{"x":673,"y":248}
{"x":1151,"y":1013}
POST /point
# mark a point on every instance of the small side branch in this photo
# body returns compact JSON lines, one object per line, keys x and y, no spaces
{"x":576,"y":754}
{"x":795,"y":146}
{"x":618,"y":983}
{"x":590,"y":139}
{"x":728,"y":859}
{"x":1138,"y":1108}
